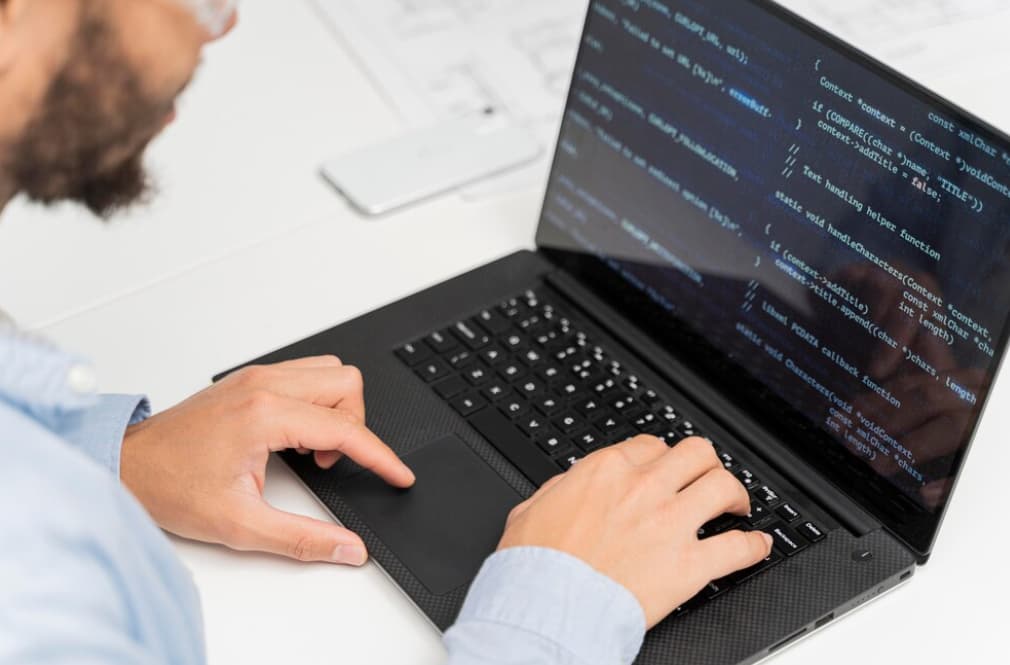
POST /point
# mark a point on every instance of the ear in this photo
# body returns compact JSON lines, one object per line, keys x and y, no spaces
{"x":12,"y":15}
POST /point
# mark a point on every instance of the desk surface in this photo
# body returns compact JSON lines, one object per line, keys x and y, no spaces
{"x":264,"y":255}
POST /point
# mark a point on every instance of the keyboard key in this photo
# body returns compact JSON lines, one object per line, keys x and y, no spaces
{"x":531,"y":358}
{"x":742,"y":576}
{"x":758,"y":513}
{"x":719,"y":525}
{"x":496,"y":391}
{"x":468,"y":403}
{"x":493,"y":355}
{"x":414,"y":353}
{"x":570,"y":390}
{"x":512,"y":371}
{"x":669,"y":416}
{"x":433,"y":370}
{"x":786,"y":540}
{"x":647,"y":422}
{"x":650,"y":398}
{"x":590,"y":408}
{"x":624,"y":403}
{"x":514,"y":407}
{"x":570,"y":422}
{"x":589,"y":440}
{"x":493,"y":321}
{"x":747,"y":477}
{"x":605,"y":387}
{"x":477,"y":375}
{"x":512,"y":309}
{"x":531,"y":324}
{"x":514,"y":342}
{"x":787,"y":513}
{"x":670,"y":437}
{"x":532,"y":424}
{"x":811,"y":532}
{"x":550,"y":373}
{"x":569,"y":460}
{"x":530,"y":388}
{"x":473,"y":337}
{"x":441,"y":342}
{"x":687,"y":429}
{"x":553,"y":443}
{"x":579,"y":363}
{"x":451,"y":387}
{"x":516,"y":448}
{"x":460,"y":359}
{"x":614,"y":429}
{"x":549,"y":406}
{"x":767,"y":496}
{"x":728,"y":460}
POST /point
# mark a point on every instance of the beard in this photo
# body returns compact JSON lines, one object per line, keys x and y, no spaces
{"x":87,"y":141}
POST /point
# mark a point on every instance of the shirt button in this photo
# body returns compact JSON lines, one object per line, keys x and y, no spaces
{"x":82,"y":380}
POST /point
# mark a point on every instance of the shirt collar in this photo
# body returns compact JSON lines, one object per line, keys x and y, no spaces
{"x":40,"y":379}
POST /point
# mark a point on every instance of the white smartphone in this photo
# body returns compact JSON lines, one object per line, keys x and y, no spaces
{"x":430,"y":161}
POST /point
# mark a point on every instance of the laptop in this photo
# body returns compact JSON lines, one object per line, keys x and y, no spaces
{"x":753,"y":233}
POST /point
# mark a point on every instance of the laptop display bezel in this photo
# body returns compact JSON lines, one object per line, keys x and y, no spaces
{"x":916,"y":526}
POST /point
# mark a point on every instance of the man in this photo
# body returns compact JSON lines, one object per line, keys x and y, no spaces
{"x":584,"y":567}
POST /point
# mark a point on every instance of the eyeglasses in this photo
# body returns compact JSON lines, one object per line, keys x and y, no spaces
{"x":214,"y":15}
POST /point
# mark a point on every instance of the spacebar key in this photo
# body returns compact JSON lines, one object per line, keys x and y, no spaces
{"x":514,"y":445}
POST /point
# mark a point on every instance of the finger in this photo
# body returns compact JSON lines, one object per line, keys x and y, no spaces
{"x":298,"y":537}
{"x":729,"y":552}
{"x":712,"y":495}
{"x":327,"y":459}
{"x":300,"y":425}
{"x":643,"y":449}
{"x":310,"y":362}
{"x":686,"y":462}
{"x":334,"y":386}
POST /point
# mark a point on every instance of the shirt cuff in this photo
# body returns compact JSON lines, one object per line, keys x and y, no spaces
{"x":98,"y":431}
{"x":560,"y":599}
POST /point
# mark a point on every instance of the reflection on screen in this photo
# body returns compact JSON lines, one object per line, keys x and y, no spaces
{"x":835,"y":236}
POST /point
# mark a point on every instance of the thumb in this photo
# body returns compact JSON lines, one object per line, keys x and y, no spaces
{"x":302,"y":538}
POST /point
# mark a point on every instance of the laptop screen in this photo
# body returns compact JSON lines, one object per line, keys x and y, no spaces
{"x":824,"y":240}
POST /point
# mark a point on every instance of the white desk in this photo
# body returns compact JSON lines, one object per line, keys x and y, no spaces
{"x":205,"y":281}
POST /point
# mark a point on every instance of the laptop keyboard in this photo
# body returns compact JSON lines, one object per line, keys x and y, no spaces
{"x":545,"y":395}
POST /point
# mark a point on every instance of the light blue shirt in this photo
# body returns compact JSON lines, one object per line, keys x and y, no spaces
{"x":86,"y":578}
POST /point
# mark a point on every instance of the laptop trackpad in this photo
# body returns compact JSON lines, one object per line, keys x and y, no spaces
{"x":444,"y":527}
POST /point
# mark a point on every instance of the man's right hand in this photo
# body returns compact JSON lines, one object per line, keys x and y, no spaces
{"x":632,"y":512}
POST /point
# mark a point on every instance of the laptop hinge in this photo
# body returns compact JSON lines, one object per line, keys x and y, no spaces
{"x":708,"y":399}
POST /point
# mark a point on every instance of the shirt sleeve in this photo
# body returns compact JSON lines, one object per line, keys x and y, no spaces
{"x":538,"y":606}
{"x":98,"y":430}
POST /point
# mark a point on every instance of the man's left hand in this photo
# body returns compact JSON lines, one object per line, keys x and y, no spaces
{"x":200,"y":467}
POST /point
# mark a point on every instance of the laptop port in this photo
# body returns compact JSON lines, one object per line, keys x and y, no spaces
{"x":823,"y":621}
{"x":788,"y":640}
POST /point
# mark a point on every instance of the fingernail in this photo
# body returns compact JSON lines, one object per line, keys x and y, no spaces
{"x":768,"y":539}
{"x":349,"y":555}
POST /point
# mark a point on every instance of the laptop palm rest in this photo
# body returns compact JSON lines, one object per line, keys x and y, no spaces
{"x":444,"y":527}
